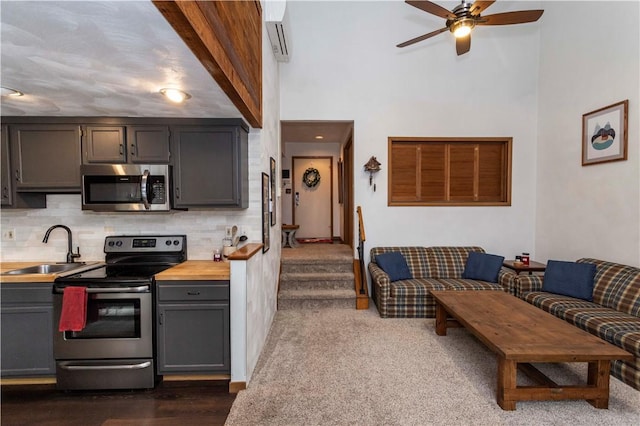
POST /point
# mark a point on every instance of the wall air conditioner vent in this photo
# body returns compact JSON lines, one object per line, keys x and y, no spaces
{"x":277,"y":22}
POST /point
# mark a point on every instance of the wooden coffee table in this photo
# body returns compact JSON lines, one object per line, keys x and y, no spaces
{"x":519,"y":333}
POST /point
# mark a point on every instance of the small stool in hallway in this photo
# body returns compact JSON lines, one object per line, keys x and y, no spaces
{"x":289,"y":235}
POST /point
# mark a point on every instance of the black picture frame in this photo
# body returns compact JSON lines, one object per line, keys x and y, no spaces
{"x":272,"y":201}
{"x":265,"y":213}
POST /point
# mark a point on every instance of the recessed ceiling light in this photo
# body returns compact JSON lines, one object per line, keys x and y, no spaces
{"x":319,"y":137}
{"x":175,"y":95}
{"x":7,"y":91}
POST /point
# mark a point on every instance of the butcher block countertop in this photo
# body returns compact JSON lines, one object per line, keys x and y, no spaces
{"x":207,"y":270}
{"x":196,"y":270}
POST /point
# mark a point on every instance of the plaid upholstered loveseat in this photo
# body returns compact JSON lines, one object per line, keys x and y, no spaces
{"x":614,"y":314}
{"x":432,"y":268}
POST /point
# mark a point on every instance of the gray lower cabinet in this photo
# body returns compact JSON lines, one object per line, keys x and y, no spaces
{"x":144,"y":144}
{"x":45,"y":158}
{"x":192,"y":319}
{"x":211,"y":166}
{"x":26,"y":323}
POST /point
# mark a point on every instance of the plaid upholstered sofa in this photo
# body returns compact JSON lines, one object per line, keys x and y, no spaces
{"x":432,"y":268}
{"x":614,"y":314}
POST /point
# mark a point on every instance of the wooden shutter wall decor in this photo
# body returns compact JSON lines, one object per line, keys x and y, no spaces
{"x":449,"y":171}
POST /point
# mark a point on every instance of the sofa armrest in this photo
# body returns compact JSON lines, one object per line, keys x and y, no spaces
{"x":379,"y":279}
{"x":526,"y":283}
{"x":507,"y":279}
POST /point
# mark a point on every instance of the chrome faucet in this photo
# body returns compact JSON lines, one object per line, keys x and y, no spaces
{"x":71,"y":256}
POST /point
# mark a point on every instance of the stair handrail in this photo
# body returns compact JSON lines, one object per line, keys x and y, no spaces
{"x":361,"y":240}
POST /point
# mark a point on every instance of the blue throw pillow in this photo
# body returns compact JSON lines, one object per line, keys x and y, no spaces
{"x":395,"y":265}
{"x":570,"y":279}
{"x":483,"y":266}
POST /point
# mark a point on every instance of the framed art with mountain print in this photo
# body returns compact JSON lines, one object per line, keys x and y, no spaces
{"x":604,"y":134}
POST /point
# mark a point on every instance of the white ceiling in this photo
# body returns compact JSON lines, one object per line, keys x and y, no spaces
{"x":100,"y":58}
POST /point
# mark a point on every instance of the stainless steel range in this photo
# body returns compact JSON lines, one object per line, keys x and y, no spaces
{"x":115,"y":348}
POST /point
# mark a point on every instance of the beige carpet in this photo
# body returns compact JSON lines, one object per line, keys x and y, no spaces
{"x":348,"y":367}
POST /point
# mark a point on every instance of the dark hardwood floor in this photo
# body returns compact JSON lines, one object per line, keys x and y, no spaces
{"x":170,"y":403}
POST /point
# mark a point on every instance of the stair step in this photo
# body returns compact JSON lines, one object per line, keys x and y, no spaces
{"x":315,"y":299}
{"x":317,"y":285}
{"x":290,"y":267}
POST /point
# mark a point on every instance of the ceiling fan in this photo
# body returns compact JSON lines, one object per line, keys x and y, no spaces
{"x":463,"y":18}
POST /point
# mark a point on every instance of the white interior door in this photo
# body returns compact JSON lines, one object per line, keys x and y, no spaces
{"x":312,"y":205}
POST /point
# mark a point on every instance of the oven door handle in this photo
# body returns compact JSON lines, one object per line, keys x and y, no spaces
{"x":139,"y":289}
{"x":71,"y":367}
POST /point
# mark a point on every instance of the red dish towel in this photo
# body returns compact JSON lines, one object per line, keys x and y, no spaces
{"x":74,"y":309}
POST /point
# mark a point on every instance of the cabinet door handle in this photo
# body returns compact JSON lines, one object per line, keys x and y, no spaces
{"x":121,"y":149}
{"x":133,"y":149}
{"x":177,"y":192}
{"x":193,"y":293}
{"x":161,"y":318}
{"x":17,"y":175}
{"x":5,"y":192}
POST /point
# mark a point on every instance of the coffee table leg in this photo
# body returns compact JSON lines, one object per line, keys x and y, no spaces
{"x":507,"y":370}
{"x":441,"y":320}
{"x":598,"y":376}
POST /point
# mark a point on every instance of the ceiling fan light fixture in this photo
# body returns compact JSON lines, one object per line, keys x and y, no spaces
{"x":462,"y":28}
{"x":175,"y":95}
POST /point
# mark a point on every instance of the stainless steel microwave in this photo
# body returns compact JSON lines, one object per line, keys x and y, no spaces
{"x":125,"y":187}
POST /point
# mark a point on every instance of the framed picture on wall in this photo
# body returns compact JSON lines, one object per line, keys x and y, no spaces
{"x":272,"y":202}
{"x":265,"y":212}
{"x":604,"y":134}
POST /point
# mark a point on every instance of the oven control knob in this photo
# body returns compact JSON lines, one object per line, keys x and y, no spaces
{"x":168,"y":242}
{"x":119,"y":243}
{"x":176,"y":242}
{"x":111,"y":243}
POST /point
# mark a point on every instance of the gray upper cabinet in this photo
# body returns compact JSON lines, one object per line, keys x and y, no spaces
{"x":148,"y":144}
{"x":45,"y":158}
{"x":126,"y":144}
{"x":210,"y":166}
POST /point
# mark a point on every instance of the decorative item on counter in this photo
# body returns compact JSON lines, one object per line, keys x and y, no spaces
{"x":372,"y":166}
{"x":525,"y":259}
{"x":217,"y":256}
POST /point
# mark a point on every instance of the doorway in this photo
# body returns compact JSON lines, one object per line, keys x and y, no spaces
{"x":313,"y":197}
{"x":321,"y":138}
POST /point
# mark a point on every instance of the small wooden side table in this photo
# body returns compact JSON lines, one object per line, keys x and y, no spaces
{"x":531,"y":268}
{"x":289,"y":235}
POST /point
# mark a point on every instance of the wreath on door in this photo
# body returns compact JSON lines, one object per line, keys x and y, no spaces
{"x":311,"y":177}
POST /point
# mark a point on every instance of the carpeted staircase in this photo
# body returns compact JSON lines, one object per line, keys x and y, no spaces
{"x":316,"y":276}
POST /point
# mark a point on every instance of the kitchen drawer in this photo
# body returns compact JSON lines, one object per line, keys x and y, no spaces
{"x":193,"y":291}
{"x":26,"y":293}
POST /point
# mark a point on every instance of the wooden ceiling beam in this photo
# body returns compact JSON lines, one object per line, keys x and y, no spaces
{"x":226,"y":37}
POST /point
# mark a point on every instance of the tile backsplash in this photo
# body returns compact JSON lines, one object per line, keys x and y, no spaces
{"x":204,"y":229}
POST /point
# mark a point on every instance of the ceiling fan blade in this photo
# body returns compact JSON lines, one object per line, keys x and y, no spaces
{"x":509,"y":18}
{"x":463,"y":44}
{"x":432,"y":8}
{"x":478,"y":7}
{"x":422,"y":37}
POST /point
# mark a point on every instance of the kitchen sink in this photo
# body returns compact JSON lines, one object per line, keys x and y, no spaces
{"x":45,"y":268}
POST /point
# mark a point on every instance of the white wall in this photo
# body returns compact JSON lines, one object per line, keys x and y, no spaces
{"x":346,"y":67}
{"x":298,"y":149}
{"x":586,"y":63}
